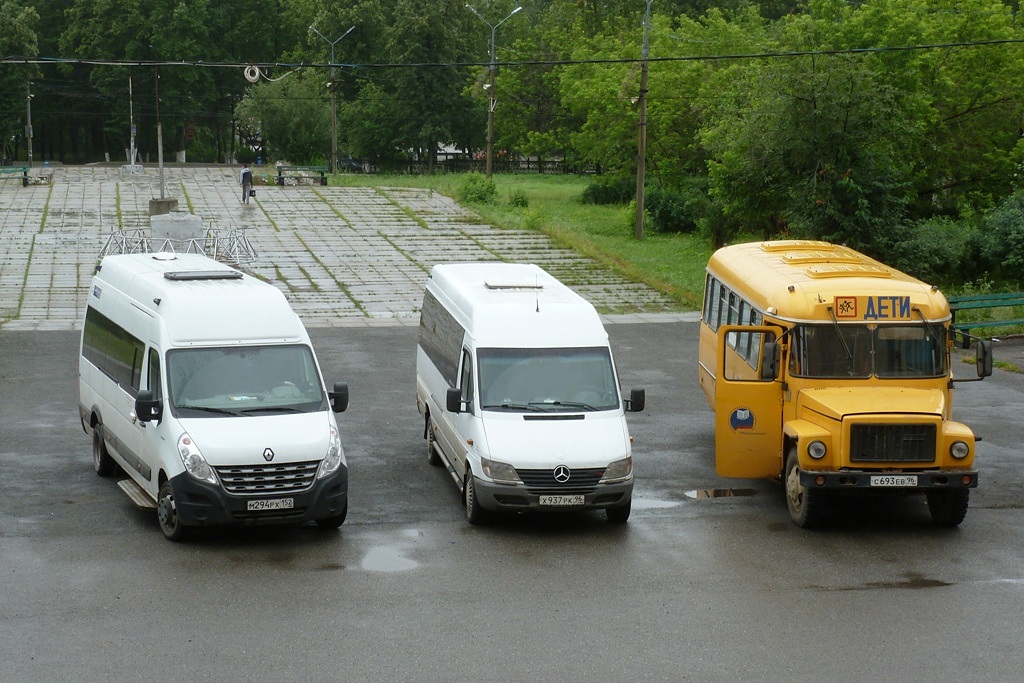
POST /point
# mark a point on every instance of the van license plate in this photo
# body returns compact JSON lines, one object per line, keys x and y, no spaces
{"x":894,"y":480}
{"x":562,"y":501}
{"x":270,"y":504}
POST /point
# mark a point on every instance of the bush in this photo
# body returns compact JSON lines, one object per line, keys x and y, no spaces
{"x":476,"y":188}
{"x":671,"y":210}
{"x":618,"y":189}
{"x":518,"y":199}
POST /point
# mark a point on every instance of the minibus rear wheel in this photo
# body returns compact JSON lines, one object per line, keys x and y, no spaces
{"x":948,"y":507}
{"x":805,"y":505}
{"x":101,"y":460}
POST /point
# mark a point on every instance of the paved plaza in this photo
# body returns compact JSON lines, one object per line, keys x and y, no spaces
{"x":342,"y":256}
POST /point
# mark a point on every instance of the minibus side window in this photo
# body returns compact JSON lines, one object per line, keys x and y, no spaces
{"x":466,"y":380}
{"x":154,"y":374}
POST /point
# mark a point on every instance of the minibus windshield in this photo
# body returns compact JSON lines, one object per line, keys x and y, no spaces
{"x":844,"y":351}
{"x":244,"y":380}
{"x":547,"y":380}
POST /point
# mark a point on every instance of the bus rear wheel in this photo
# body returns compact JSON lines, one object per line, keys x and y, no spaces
{"x":806,"y":506}
{"x":948,"y":508}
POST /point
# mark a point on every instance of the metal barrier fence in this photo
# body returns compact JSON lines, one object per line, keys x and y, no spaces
{"x":229,"y":246}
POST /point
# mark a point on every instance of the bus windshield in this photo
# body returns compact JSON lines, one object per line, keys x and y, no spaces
{"x":547,"y":380}
{"x":860,"y":351}
{"x":244,"y":380}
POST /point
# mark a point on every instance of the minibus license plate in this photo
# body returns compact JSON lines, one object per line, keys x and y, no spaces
{"x":270,"y":504}
{"x":562,"y":500}
{"x":894,"y":480}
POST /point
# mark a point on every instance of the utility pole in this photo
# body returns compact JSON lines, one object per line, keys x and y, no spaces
{"x":334,"y":98}
{"x":159,"y":134}
{"x":28,"y":124}
{"x":641,"y":155}
{"x":491,"y":100}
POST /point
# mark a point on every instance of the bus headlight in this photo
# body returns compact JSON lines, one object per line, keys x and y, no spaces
{"x":335,"y":455}
{"x":618,"y":470}
{"x":193,"y":460}
{"x":816,"y":449}
{"x":959,"y":450}
{"x":500,"y":472}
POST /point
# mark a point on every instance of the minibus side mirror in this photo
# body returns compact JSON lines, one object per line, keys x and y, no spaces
{"x":983,"y":360}
{"x":770,"y":354}
{"x":148,"y":408}
{"x":453,"y":400}
{"x":339,"y":397}
{"x":637,"y":400}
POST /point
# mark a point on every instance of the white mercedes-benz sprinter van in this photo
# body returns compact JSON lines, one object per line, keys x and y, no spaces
{"x":517,"y":387}
{"x":201,"y":383}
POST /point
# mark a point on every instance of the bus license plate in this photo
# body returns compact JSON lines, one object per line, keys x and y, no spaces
{"x":270,"y":504}
{"x":562,"y":501}
{"x":894,"y":480}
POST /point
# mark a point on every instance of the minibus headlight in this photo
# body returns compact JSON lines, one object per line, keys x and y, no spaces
{"x":193,"y":460}
{"x":500,"y":472}
{"x":817,"y":450}
{"x":335,"y":455}
{"x":618,"y":470}
{"x":959,"y":450}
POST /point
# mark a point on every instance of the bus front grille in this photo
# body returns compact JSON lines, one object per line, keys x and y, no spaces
{"x":892,"y":443}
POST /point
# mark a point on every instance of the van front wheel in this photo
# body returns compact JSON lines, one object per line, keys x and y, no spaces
{"x":474,"y":513}
{"x":335,"y":521}
{"x":101,"y":460}
{"x":167,"y":514}
{"x":432,"y":457}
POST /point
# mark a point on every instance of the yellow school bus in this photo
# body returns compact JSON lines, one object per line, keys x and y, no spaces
{"x":832,"y":372}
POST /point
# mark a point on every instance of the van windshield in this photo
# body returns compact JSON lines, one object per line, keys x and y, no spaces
{"x":244,"y":380}
{"x":547,"y":380}
{"x":860,"y":351}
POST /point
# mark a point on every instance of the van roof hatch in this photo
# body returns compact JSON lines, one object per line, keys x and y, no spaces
{"x":512,"y":285}
{"x":203,"y":275}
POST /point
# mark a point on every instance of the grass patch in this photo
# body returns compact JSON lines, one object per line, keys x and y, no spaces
{"x":672,"y":264}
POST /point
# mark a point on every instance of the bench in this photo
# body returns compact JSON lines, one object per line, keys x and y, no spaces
{"x":983,"y":301}
{"x":6,"y":171}
{"x":301,"y":172}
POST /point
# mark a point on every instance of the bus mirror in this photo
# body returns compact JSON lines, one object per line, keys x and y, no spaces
{"x":453,"y":400}
{"x":770,"y":354}
{"x":339,"y":397}
{"x":148,"y":408}
{"x":637,"y":400}
{"x":984,"y":358}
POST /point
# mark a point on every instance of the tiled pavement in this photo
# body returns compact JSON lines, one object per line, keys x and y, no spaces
{"x":342,"y":256}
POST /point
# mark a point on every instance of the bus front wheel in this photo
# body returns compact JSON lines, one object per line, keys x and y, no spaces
{"x":948,"y":508}
{"x":805,"y":505}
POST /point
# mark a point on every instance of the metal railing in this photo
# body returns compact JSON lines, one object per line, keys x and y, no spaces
{"x":228,"y":246}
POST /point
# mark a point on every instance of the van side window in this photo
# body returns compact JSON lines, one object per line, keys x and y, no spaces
{"x":154,"y":374}
{"x":466,"y":380}
{"x":441,"y":336}
{"x":112,"y":349}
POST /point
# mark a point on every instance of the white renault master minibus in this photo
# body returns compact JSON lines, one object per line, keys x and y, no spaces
{"x":518,"y":391}
{"x":200,"y":382}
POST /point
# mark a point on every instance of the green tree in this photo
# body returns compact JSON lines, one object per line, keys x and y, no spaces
{"x":17,"y":37}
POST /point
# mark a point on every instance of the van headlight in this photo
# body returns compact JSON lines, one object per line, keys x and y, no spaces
{"x":335,"y":457}
{"x":500,"y":472}
{"x":193,"y":460}
{"x":618,"y":470}
{"x":959,"y":450}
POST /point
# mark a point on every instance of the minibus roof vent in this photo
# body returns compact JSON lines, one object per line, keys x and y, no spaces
{"x":513,"y":285}
{"x":186,"y":275}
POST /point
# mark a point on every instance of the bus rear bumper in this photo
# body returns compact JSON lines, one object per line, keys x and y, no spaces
{"x":881,"y":481}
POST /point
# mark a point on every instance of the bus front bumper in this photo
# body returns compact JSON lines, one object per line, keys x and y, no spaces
{"x":881,"y":481}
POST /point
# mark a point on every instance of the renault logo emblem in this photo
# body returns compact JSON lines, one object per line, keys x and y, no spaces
{"x":562,"y":474}
{"x":268,"y":454}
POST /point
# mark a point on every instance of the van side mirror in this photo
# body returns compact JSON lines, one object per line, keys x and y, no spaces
{"x":770,"y":355}
{"x":637,"y":400}
{"x":148,"y":408}
{"x":453,"y":400}
{"x":983,"y":360}
{"x":339,"y":397}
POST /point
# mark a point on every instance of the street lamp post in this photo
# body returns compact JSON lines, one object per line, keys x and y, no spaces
{"x":490,"y":87}
{"x":334,"y":97}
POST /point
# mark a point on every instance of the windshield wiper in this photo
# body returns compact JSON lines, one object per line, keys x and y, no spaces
{"x":572,"y":404}
{"x":515,"y":406}
{"x":207,"y":409}
{"x":267,"y":409}
{"x":839,"y":333}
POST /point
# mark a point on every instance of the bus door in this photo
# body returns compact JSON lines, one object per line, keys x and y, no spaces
{"x":748,"y":402}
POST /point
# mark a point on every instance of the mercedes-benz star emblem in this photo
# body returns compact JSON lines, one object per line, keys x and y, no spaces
{"x":562,"y":474}
{"x":268,"y":454}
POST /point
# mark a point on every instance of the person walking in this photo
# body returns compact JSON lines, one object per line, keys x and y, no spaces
{"x":246,"y":180}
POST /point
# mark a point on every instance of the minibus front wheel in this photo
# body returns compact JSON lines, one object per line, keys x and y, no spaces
{"x":101,"y":460}
{"x":167,"y":514}
{"x":805,"y":505}
{"x":432,"y":457}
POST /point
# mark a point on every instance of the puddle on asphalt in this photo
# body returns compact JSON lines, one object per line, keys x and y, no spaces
{"x":651,"y":504}
{"x":706,"y":494}
{"x":387,"y":559}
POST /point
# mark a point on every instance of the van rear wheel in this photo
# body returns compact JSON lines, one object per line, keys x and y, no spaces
{"x":101,"y":460}
{"x":167,"y":515}
{"x":432,"y":457}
